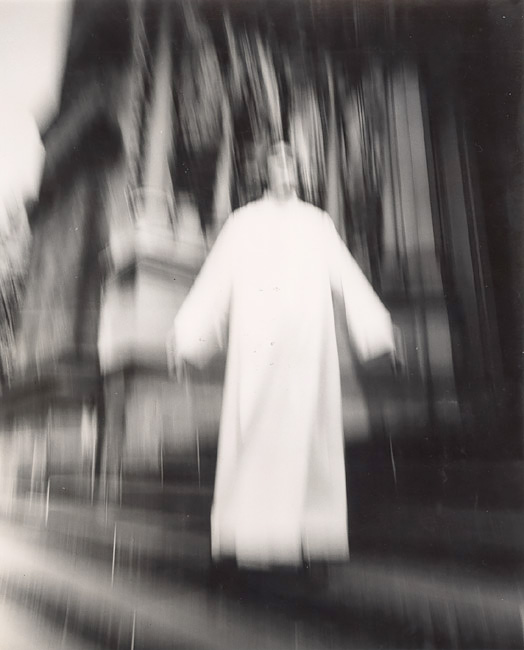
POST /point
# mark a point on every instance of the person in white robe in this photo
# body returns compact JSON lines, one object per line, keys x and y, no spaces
{"x":265,"y":295}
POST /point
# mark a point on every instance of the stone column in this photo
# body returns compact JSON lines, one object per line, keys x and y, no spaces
{"x":153,"y":259}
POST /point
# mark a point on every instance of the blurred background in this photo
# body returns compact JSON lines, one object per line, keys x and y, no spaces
{"x":130,"y":129}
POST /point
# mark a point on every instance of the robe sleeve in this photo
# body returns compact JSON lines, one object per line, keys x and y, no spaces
{"x":201,"y":324}
{"x":369,"y":323}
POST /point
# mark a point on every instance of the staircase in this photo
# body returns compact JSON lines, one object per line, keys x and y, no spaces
{"x":133,"y":572}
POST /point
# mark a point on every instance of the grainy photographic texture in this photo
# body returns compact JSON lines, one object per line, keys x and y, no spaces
{"x":261,"y":324}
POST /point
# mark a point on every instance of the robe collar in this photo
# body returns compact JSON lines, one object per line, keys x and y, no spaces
{"x":289,"y":199}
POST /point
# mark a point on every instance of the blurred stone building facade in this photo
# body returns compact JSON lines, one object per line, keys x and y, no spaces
{"x":404,"y":123}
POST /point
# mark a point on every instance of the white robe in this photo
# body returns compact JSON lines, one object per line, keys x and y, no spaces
{"x":265,"y":293}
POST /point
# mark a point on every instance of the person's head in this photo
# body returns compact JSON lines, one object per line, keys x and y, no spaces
{"x":281,"y":170}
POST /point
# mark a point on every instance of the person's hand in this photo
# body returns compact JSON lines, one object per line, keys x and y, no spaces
{"x":399,"y":356}
{"x":175,"y":363}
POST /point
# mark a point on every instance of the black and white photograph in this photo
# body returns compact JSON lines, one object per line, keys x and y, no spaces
{"x":261,"y":325}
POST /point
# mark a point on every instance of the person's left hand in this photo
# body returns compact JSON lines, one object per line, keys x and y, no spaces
{"x":175,"y":363}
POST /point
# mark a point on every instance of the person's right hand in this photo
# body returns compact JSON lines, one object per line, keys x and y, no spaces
{"x":399,"y":356}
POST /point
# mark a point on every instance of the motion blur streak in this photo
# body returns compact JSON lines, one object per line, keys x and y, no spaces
{"x":404,"y":120}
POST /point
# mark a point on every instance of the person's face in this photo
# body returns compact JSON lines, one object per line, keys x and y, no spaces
{"x":282,"y":179}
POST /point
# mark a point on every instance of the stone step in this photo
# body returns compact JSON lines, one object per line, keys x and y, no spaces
{"x":144,"y":494}
{"x":475,"y":536}
{"x":425,"y":601}
{"x":133,"y":542}
{"x":464,"y":485}
{"x":179,"y":468}
{"x":458,"y":484}
{"x":116,"y":612}
{"x":23,"y":628}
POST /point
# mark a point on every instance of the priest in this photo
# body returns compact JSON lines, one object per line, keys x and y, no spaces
{"x":265,"y":295}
